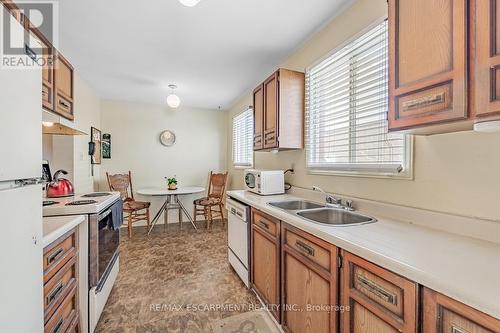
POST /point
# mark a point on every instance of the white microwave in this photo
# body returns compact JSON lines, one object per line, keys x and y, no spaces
{"x":265,"y":182}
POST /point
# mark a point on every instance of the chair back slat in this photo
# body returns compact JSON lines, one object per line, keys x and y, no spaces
{"x":121,"y":183}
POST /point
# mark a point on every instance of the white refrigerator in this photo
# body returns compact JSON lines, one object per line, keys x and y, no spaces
{"x":21,"y":250}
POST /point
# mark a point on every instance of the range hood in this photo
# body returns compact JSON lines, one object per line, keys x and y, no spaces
{"x":57,"y":125}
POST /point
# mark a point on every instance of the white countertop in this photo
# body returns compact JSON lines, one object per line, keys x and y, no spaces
{"x":463,"y":268}
{"x":55,"y":227}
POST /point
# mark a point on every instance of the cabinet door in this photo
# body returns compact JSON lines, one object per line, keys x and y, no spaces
{"x":63,"y":82}
{"x":487,"y":57}
{"x":258,"y":118}
{"x":265,"y":265}
{"x":271,"y":105}
{"x":377,"y":300}
{"x":442,"y":314}
{"x":47,"y":69}
{"x":309,"y":284}
{"x":427,"y":62}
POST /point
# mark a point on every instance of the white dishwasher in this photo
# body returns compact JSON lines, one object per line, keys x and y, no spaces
{"x":238,"y":230}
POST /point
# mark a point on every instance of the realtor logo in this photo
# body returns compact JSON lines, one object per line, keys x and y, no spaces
{"x":20,"y":48}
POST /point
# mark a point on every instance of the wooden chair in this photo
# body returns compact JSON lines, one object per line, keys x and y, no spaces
{"x":135,"y":211}
{"x":205,"y":206}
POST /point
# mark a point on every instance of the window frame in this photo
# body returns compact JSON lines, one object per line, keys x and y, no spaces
{"x":406,"y":174}
{"x":241,"y":166}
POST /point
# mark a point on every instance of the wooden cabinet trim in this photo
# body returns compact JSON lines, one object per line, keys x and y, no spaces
{"x":271,"y":128}
{"x":57,"y":254}
{"x":258,"y":114}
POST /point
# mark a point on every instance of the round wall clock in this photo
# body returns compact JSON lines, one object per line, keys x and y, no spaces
{"x":167,"y":138}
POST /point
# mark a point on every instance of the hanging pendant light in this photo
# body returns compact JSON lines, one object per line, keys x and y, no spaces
{"x":189,"y":3}
{"x":173,"y":100}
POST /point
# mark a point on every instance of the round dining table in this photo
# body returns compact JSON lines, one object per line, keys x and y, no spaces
{"x":171,"y":202}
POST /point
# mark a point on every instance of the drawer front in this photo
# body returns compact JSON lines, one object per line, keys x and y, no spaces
{"x":374,"y":294}
{"x":57,"y":254}
{"x":64,"y":316}
{"x":265,"y":222}
{"x":75,"y":326}
{"x":64,"y":107}
{"x":308,"y":248}
{"x":59,"y":286}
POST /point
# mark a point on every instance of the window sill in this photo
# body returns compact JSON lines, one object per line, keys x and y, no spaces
{"x":407,"y":175}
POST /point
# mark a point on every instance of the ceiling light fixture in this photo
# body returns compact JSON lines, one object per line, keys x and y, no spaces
{"x":189,"y":3}
{"x":173,"y":100}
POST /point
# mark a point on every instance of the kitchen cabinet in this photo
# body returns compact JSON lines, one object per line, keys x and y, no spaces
{"x":443,"y":314}
{"x":309,"y":283}
{"x":63,"y":83}
{"x":258,"y":116}
{"x":48,"y":68}
{"x":485,"y":37}
{"x":428,"y":45}
{"x":279,"y":111}
{"x":60,"y":264}
{"x":265,"y":260}
{"x":378,"y":300}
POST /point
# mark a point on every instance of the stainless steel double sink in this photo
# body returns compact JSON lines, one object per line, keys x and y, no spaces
{"x":322,"y":214}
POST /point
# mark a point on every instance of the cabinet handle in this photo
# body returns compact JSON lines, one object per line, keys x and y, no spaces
{"x":423,"y":101}
{"x":270,"y":138}
{"x":55,"y":292}
{"x":63,"y":103}
{"x":455,"y":329}
{"x":55,"y":255}
{"x":264,"y":224}
{"x":58,"y":326}
{"x":304,"y":248}
{"x":377,"y":290}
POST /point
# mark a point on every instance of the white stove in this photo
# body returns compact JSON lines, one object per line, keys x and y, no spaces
{"x":99,"y":247}
{"x":89,"y":203}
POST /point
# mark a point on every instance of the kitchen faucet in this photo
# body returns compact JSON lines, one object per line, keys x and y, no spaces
{"x":332,"y":201}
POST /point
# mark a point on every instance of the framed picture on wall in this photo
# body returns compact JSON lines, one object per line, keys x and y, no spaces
{"x":95,"y":135}
{"x":106,"y":145}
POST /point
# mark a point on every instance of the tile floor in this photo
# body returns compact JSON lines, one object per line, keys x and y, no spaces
{"x":171,"y":281}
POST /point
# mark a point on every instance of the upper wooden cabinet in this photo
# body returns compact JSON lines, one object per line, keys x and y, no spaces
{"x":48,"y":68}
{"x":258,"y":116}
{"x":442,"y":314}
{"x":486,"y":67}
{"x":279,"y":111}
{"x":63,"y":83}
{"x":378,"y":300}
{"x":427,"y":62}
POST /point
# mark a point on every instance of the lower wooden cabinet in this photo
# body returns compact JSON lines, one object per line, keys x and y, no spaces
{"x":442,"y":314}
{"x":265,"y":260}
{"x":377,"y":300}
{"x":309,"y":283}
{"x":60,"y":261}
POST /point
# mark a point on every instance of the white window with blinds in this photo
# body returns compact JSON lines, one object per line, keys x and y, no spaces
{"x":346,"y":112}
{"x":243,"y":139}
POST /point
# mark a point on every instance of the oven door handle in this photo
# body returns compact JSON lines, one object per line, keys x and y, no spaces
{"x":104,"y":215}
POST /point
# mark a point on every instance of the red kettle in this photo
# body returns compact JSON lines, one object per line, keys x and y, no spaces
{"x":60,"y":187}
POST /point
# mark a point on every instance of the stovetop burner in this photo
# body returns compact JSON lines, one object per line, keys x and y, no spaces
{"x":81,"y":202}
{"x":49,"y":203}
{"x":96,"y":195}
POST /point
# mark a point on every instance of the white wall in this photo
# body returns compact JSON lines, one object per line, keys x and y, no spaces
{"x":135,"y":129}
{"x":455,"y":173}
{"x":70,"y":152}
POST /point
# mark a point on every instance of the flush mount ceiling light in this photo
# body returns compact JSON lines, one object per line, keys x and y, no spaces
{"x":173,"y":100}
{"x":189,"y":3}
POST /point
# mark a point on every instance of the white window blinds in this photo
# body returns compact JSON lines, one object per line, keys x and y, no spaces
{"x":346,"y":110}
{"x":243,"y":139}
